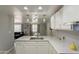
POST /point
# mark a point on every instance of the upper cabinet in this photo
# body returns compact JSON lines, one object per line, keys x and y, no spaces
{"x":58,"y":19}
{"x":65,"y":17}
{"x":52,"y":21}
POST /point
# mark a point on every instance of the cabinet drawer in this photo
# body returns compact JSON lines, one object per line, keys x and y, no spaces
{"x":35,"y":43}
{"x":43,"y":47}
{"x":34,"y":47}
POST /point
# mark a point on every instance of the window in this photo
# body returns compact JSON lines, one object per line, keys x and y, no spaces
{"x":17,"y":27}
{"x":34,"y":27}
{"x":35,"y":24}
{"x":17,"y":23}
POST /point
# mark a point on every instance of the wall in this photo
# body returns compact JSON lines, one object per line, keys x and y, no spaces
{"x":71,"y":13}
{"x":6,"y":31}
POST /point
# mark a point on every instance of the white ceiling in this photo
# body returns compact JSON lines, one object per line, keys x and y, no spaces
{"x":33,"y":9}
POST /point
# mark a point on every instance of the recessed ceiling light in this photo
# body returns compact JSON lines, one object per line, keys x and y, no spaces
{"x":40,"y":8}
{"x":25,"y":8}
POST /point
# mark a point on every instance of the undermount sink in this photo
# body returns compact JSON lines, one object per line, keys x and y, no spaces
{"x":36,"y":38}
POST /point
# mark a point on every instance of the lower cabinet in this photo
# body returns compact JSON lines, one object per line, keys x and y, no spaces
{"x":35,"y":48}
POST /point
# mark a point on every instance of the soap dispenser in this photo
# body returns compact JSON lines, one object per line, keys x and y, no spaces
{"x":73,"y":46}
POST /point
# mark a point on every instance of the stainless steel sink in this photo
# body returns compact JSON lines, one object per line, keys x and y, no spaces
{"x":36,"y":38}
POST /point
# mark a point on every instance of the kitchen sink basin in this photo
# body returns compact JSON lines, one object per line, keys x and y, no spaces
{"x":36,"y":38}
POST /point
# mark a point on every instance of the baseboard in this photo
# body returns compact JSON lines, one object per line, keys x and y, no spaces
{"x":7,"y":52}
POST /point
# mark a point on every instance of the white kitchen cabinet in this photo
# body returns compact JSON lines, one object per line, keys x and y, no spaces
{"x":51,"y":49}
{"x":30,"y":49}
{"x":43,"y":49}
{"x":37,"y":47}
{"x":52,"y":21}
{"x":34,"y":47}
{"x":58,"y":19}
{"x":65,"y":17}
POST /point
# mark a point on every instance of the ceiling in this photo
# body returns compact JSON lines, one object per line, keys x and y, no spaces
{"x":33,"y":9}
{"x":47,"y":10}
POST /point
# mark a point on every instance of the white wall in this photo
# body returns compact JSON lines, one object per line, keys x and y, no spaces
{"x":71,"y":13}
{"x":6,"y":31}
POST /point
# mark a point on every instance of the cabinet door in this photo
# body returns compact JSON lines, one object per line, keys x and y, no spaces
{"x":26,"y":47}
{"x":32,"y":47}
{"x":19,"y":48}
{"x":36,"y":47}
{"x":43,"y":49}
{"x":52,"y":22}
{"x":66,"y":26}
{"x":58,"y":19}
{"x":52,"y":50}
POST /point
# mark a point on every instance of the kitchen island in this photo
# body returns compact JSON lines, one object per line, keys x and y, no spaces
{"x":61,"y":46}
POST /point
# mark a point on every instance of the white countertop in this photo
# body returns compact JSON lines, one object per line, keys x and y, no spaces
{"x":61,"y":46}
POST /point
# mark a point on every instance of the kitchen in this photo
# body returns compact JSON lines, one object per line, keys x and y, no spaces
{"x":44,"y":29}
{"x":60,"y":33}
